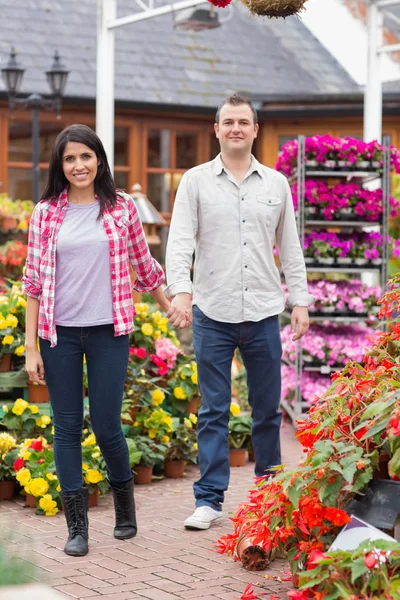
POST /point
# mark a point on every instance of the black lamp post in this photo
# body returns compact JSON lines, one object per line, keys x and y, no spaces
{"x":57,"y":78}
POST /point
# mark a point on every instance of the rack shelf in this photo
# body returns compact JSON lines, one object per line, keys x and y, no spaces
{"x":296,"y":407}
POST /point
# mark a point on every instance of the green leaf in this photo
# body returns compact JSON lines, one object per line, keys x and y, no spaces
{"x":373,"y":410}
{"x":294,"y":492}
{"x":394,"y":464}
{"x":345,"y":593}
{"x":358,"y":568}
{"x":348,"y":472}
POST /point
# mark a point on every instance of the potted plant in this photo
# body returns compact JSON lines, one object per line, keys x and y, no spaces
{"x":182,"y":448}
{"x":94,"y":470}
{"x":8,"y":455}
{"x":151,"y":453}
{"x":11,"y":337}
{"x":238,"y":438}
{"x":184,"y":388}
{"x":12,"y":258}
{"x":24,"y":420}
{"x":9,"y":212}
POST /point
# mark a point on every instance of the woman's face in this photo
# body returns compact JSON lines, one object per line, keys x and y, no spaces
{"x":80,"y":165}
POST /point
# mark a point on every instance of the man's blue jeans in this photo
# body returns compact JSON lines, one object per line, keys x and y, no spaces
{"x":214,"y":345}
{"x":107,"y":361}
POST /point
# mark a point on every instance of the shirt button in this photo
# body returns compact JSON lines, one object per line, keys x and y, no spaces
{"x":245,"y":289}
{"x":244,"y":243}
{"x":244,"y":221}
{"x":242,"y":199}
{"x":245,"y":266}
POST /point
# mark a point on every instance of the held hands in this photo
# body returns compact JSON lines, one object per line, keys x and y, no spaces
{"x":34,"y":366}
{"x":180,"y":311}
{"x":299,"y":322}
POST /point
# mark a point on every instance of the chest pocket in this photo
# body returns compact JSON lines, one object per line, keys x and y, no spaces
{"x":269,"y":210}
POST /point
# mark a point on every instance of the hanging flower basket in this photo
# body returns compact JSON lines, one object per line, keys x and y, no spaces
{"x":274,"y":8}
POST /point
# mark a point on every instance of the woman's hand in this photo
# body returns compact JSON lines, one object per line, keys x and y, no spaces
{"x":34,"y":366}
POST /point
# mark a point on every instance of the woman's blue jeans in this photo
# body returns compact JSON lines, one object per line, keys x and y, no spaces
{"x":215,"y":344}
{"x":107,"y":360}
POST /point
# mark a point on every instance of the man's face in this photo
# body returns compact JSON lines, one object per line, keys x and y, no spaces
{"x":236,"y":130}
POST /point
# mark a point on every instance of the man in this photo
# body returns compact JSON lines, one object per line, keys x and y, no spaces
{"x":228,"y":212}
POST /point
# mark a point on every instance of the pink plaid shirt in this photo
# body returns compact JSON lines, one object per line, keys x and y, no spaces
{"x":127,"y":244}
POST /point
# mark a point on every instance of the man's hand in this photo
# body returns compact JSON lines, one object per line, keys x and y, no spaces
{"x":180,"y":311}
{"x":299,"y":322}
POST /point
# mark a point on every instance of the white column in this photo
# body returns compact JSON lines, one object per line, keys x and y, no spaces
{"x":107,"y":13}
{"x":373,"y":88}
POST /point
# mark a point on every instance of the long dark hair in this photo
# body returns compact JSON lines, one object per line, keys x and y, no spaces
{"x":104,"y":185}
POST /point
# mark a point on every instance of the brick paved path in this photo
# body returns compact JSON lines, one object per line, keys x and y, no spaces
{"x":164,"y":562}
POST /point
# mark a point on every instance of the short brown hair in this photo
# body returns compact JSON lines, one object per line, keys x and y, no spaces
{"x":237,"y":100}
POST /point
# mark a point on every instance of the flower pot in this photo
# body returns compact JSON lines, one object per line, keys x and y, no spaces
{"x":343,"y":164}
{"x":376,"y":164}
{"x":363,"y":165}
{"x":382,"y":470}
{"x":376,"y":261}
{"x":192,"y":406}
{"x":360,"y":261}
{"x":143,"y":474}
{"x":343,"y":260}
{"x":173,"y":469}
{"x":237,"y":457}
{"x":7,"y":489}
{"x":327,"y":309}
{"x":253,"y":557}
{"x":329,"y":164}
{"x":311,"y":164}
{"x":38,"y":394}
{"x":93,"y":499}
{"x":325,"y":261}
{"x":8,"y":223}
{"x":309,"y":260}
{"x":310,"y":210}
{"x":30,"y":501}
{"x":252,"y":456}
{"x":5,"y":363}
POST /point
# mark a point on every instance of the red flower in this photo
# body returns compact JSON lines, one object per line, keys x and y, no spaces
{"x":249,"y":594}
{"x":41,"y":461}
{"x":139,"y":352}
{"x":19,"y":463}
{"x":370,"y":560}
{"x":315,"y":557}
{"x":162,"y":366}
{"x":37,"y":445}
{"x":220,"y":3}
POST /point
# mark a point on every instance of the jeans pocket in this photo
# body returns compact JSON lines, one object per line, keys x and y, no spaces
{"x":198,"y":315}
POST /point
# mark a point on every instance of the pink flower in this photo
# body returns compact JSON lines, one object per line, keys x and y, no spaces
{"x":167,"y":351}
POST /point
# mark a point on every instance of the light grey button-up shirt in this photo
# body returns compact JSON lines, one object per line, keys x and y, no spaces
{"x":231,"y":230}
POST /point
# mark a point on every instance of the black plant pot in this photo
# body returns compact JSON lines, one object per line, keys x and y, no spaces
{"x":380,"y":504}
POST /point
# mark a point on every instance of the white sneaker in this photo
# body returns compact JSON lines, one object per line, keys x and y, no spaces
{"x":203,"y":517}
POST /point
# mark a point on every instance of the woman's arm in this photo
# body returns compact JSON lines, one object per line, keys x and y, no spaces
{"x":33,"y":360}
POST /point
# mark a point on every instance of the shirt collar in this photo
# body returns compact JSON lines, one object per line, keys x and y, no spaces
{"x":219,"y":167}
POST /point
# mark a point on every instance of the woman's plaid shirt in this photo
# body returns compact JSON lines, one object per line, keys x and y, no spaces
{"x":127,"y":245}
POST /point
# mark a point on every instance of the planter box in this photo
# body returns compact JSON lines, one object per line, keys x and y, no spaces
{"x":30,"y":591}
{"x":13,"y":379}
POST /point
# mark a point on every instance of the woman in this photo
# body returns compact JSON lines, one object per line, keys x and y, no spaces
{"x":82,"y":237}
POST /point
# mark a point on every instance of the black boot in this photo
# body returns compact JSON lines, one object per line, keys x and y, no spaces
{"x":76,"y":512}
{"x":125,"y":514}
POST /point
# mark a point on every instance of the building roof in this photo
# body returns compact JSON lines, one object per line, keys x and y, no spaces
{"x":157,"y":64}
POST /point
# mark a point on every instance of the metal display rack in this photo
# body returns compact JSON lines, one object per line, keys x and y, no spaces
{"x":298,"y":407}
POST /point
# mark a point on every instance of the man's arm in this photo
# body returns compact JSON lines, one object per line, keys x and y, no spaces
{"x":293,"y":265}
{"x":180,"y":248}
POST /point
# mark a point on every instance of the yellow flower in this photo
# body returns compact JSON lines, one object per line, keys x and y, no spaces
{"x":147,"y":329}
{"x":23,"y":224}
{"x":194,"y":378}
{"x":193,"y":418}
{"x":93,"y":476}
{"x":142,"y":309}
{"x":23,"y":476}
{"x":156,"y":317}
{"x":21,"y":302}
{"x":96,"y":455}
{"x":196,"y":446}
{"x":235,"y":409}
{"x":20,"y":405}
{"x":25,"y":454}
{"x":90,"y":440}
{"x":157,"y":397}
{"x":43,"y":421}
{"x":7,"y":340}
{"x":179,"y":393}
{"x":38,"y":487}
{"x":136,"y":424}
{"x":193,"y":364}
{"x":5,"y":408}
{"x":11,"y":320}
{"x":52,"y":430}
{"x":152,"y":433}
{"x":157,"y":334}
{"x":85,"y":467}
{"x":34,"y":409}
{"x":188,"y":422}
{"x":183,"y":376}
{"x":86,"y":430}
{"x":165,"y":439}
{"x":20,"y":350}
{"x":3,"y":324}
{"x":51,"y":477}
{"x":7,"y":442}
{"x":49,"y":505}
{"x":58,"y":488}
